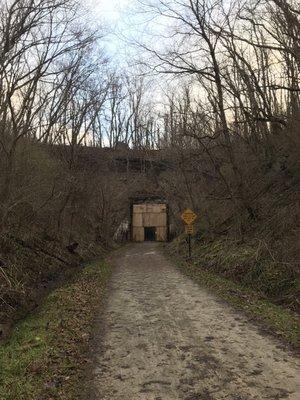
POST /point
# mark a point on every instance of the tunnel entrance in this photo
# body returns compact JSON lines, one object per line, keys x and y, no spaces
{"x":150,"y":233}
{"x":149,"y":221}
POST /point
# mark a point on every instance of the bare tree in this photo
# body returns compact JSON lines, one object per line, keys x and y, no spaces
{"x":36,"y":83}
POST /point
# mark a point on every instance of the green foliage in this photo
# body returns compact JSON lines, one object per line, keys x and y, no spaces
{"x":46,"y":352}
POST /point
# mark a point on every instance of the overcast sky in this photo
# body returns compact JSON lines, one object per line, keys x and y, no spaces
{"x":115,"y":16}
{"x":111,"y":10}
{"x":126,"y":22}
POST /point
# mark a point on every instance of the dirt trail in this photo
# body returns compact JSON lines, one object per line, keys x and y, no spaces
{"x":166,"y":338}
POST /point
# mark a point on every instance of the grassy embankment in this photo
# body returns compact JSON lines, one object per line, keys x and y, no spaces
{"x":46,"y":356}
{"x":239,"y":274}
{"x":32,"y":266}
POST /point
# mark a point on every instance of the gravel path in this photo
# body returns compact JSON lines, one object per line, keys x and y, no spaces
{"x":166,"y":338}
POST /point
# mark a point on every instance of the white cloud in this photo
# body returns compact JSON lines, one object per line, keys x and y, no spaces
{"x":110,"y":10}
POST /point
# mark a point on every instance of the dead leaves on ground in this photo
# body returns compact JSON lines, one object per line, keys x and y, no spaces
{"x":68,"y":332}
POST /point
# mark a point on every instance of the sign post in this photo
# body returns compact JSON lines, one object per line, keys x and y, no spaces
{"x":189,"y":217}
{"x":190,"y":245}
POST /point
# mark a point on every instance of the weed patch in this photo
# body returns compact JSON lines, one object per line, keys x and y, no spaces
{"x":45,"y":357}
{"x":209,"y":269}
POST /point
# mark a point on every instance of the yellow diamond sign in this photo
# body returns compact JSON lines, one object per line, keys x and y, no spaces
{"x":188,"y":216}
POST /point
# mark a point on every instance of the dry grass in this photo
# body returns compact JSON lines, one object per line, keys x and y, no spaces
{"x":242,"y":275}
{"x":46,"y":357}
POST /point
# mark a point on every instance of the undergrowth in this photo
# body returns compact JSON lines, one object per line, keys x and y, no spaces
{"x":45,"y":358}
{"x":237,"y":274}
{"x":30,"y":267}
